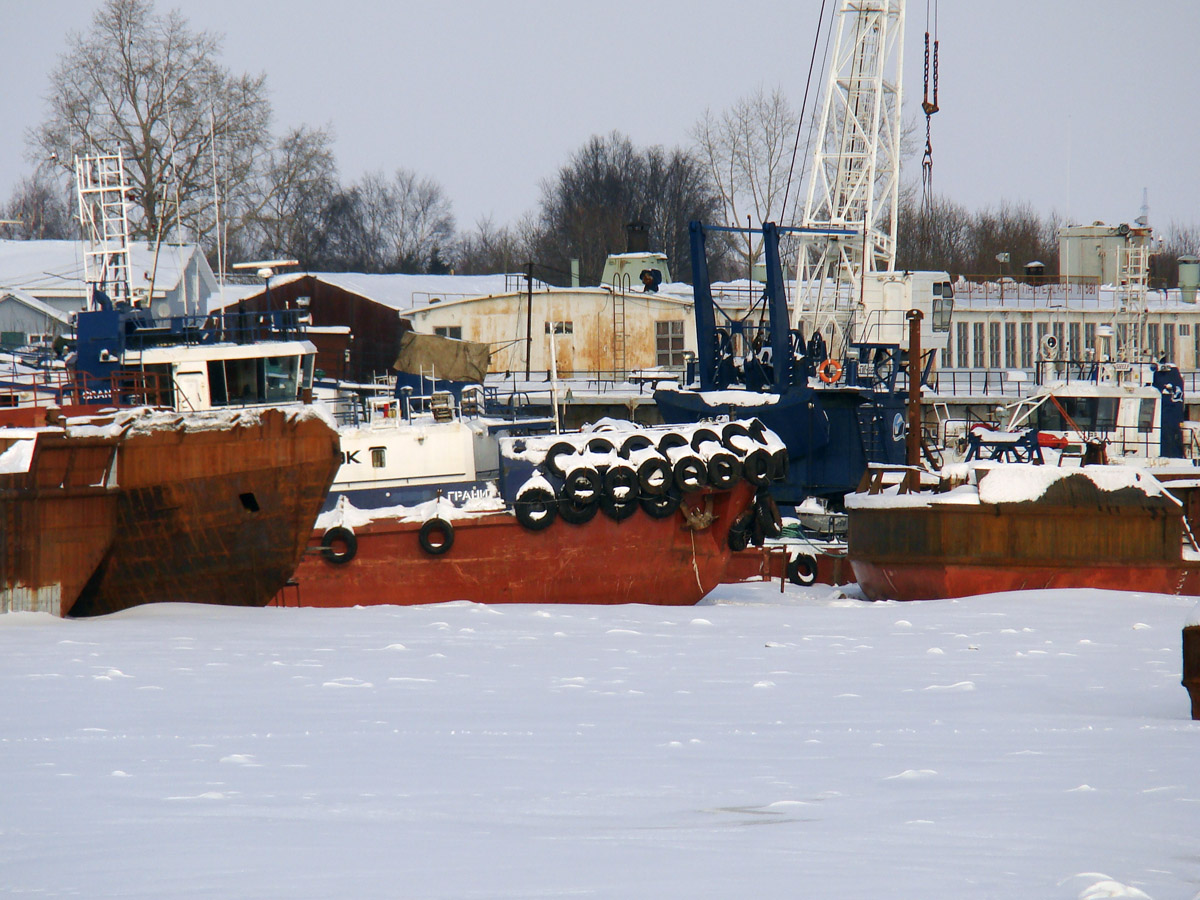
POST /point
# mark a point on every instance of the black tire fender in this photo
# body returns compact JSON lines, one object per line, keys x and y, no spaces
{"x":661,"y":506}
{"x":802,"y":570}
{"x":634,"y":442}
{"x":574,"y":513}
{"x":701,"y":435}
{"x":757,"y":467}
{"x":724,"y":470}
{"x":671,"y":440}
{"x":621,"y":483}
{"x":536,"y":509}
{"x":618,"y":510}
{"x":582,"y":485}
{"x":690,"y":473}
{"x":561,"y":448}
{"x":339,"y":535}
{"x":766,"y":513}
{"x":427,"y":536}
{"x":655,"y":476}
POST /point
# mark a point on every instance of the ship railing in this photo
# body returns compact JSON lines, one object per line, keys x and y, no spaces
{"x":223,"y":327}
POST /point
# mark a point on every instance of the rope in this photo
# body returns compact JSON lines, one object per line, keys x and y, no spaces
{"x":803,"y":106}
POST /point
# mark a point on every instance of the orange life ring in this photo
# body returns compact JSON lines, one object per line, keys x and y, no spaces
{"x":829,"y":371}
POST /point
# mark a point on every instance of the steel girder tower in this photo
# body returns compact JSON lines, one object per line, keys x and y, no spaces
{"x":856,"y":169}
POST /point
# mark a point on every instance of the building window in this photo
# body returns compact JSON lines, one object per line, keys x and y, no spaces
{"x":1074,"y":347}
{"x":1059,"y":337}
{"x":1168,"y":342}
{"x":668,"y":340}
{"x":448,"y":331}
{"x":378,"y":457}
{"x":1153,"y":347}
{"x":1010,"y":345}
{"x":1026,"y":345}
{"x":1089,"y":337}
{"x":977,"y":335}
{"x":560,"y":327}
{"x":994,"y":345}
{"x":964,"y":346}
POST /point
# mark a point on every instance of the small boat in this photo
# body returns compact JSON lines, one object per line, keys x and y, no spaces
{"x":1013,"y":526}
{"x":618,"y":514}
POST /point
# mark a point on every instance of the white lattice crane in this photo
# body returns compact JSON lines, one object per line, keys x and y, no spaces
{"x":853,"y":193}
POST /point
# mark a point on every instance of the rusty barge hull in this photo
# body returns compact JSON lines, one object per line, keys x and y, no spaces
{"x":493,"y":559}
{"x":948,"y":550}
{"x":59,"y":519}
{"x":219,"y":515}
{"x":142,"y":507}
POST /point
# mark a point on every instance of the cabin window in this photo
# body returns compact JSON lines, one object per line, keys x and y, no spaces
{"x":282,"y":376}
{"x":448,"y":331}
{"x":964,"y":345}
{"x":560,"y":327}
{"x":979,"y":346}
{"x":1089,"y":414}
{"x":1146,"y":415}
{"x":378,"y":457}
{"x":668,"y":340}
{"x":943,"y":306}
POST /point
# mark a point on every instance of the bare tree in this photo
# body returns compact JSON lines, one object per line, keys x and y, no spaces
{"x":423,"y":225}
{"x":39,"y":209}
{"x":492,"y":249}
{"x":299,"y":181}
{"x":150,"y":87}
{"x":608,"y":184}
{"x":748,"y":151}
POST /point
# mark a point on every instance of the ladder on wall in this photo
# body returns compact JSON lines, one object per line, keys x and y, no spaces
{"x":620,"y":287}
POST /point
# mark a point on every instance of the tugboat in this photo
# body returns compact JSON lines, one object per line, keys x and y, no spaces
{"x":617,"y":514}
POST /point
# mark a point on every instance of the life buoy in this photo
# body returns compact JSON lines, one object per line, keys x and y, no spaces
{"x":335,"y":536}
{"x":829,"y":371}
{"x":436,"y":536}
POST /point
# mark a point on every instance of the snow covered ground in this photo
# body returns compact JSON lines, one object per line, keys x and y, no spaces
{"x":804,"y":745}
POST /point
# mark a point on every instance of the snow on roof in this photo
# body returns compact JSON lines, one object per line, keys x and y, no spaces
{"x":404,"y":292}
{"x":34,"y":303}
{"x":55,"y":268}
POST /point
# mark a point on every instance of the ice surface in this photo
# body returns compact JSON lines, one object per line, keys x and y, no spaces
{"x":806,"y":744}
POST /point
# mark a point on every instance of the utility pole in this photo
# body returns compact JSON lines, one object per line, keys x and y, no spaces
{"x":528,"y":316}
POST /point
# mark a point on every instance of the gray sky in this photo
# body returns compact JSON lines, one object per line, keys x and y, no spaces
{"x":1072,"y":105}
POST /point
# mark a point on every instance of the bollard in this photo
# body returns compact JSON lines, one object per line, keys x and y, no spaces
{"x":1191,"y":666}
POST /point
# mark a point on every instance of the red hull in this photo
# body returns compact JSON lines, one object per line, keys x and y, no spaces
{"x":494,"y":559}
{"x":939,"y":581}
{"x":755,"y":562}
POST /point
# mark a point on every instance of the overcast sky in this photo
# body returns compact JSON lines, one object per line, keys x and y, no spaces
{"x":1072,"y":105}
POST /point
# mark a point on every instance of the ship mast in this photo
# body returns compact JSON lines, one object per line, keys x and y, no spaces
{"x":856,"y":170}
{"x":103,"y":214}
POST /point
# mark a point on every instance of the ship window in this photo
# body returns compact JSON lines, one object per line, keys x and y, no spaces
{"x":1146,"y":415}
{"x":1089,"y":414}
{"x":943,"y":309}
{"x":560,"y":327}
{"x":448,"y":331}
{"x":282,"y":375}
{"x":378,"y":457}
